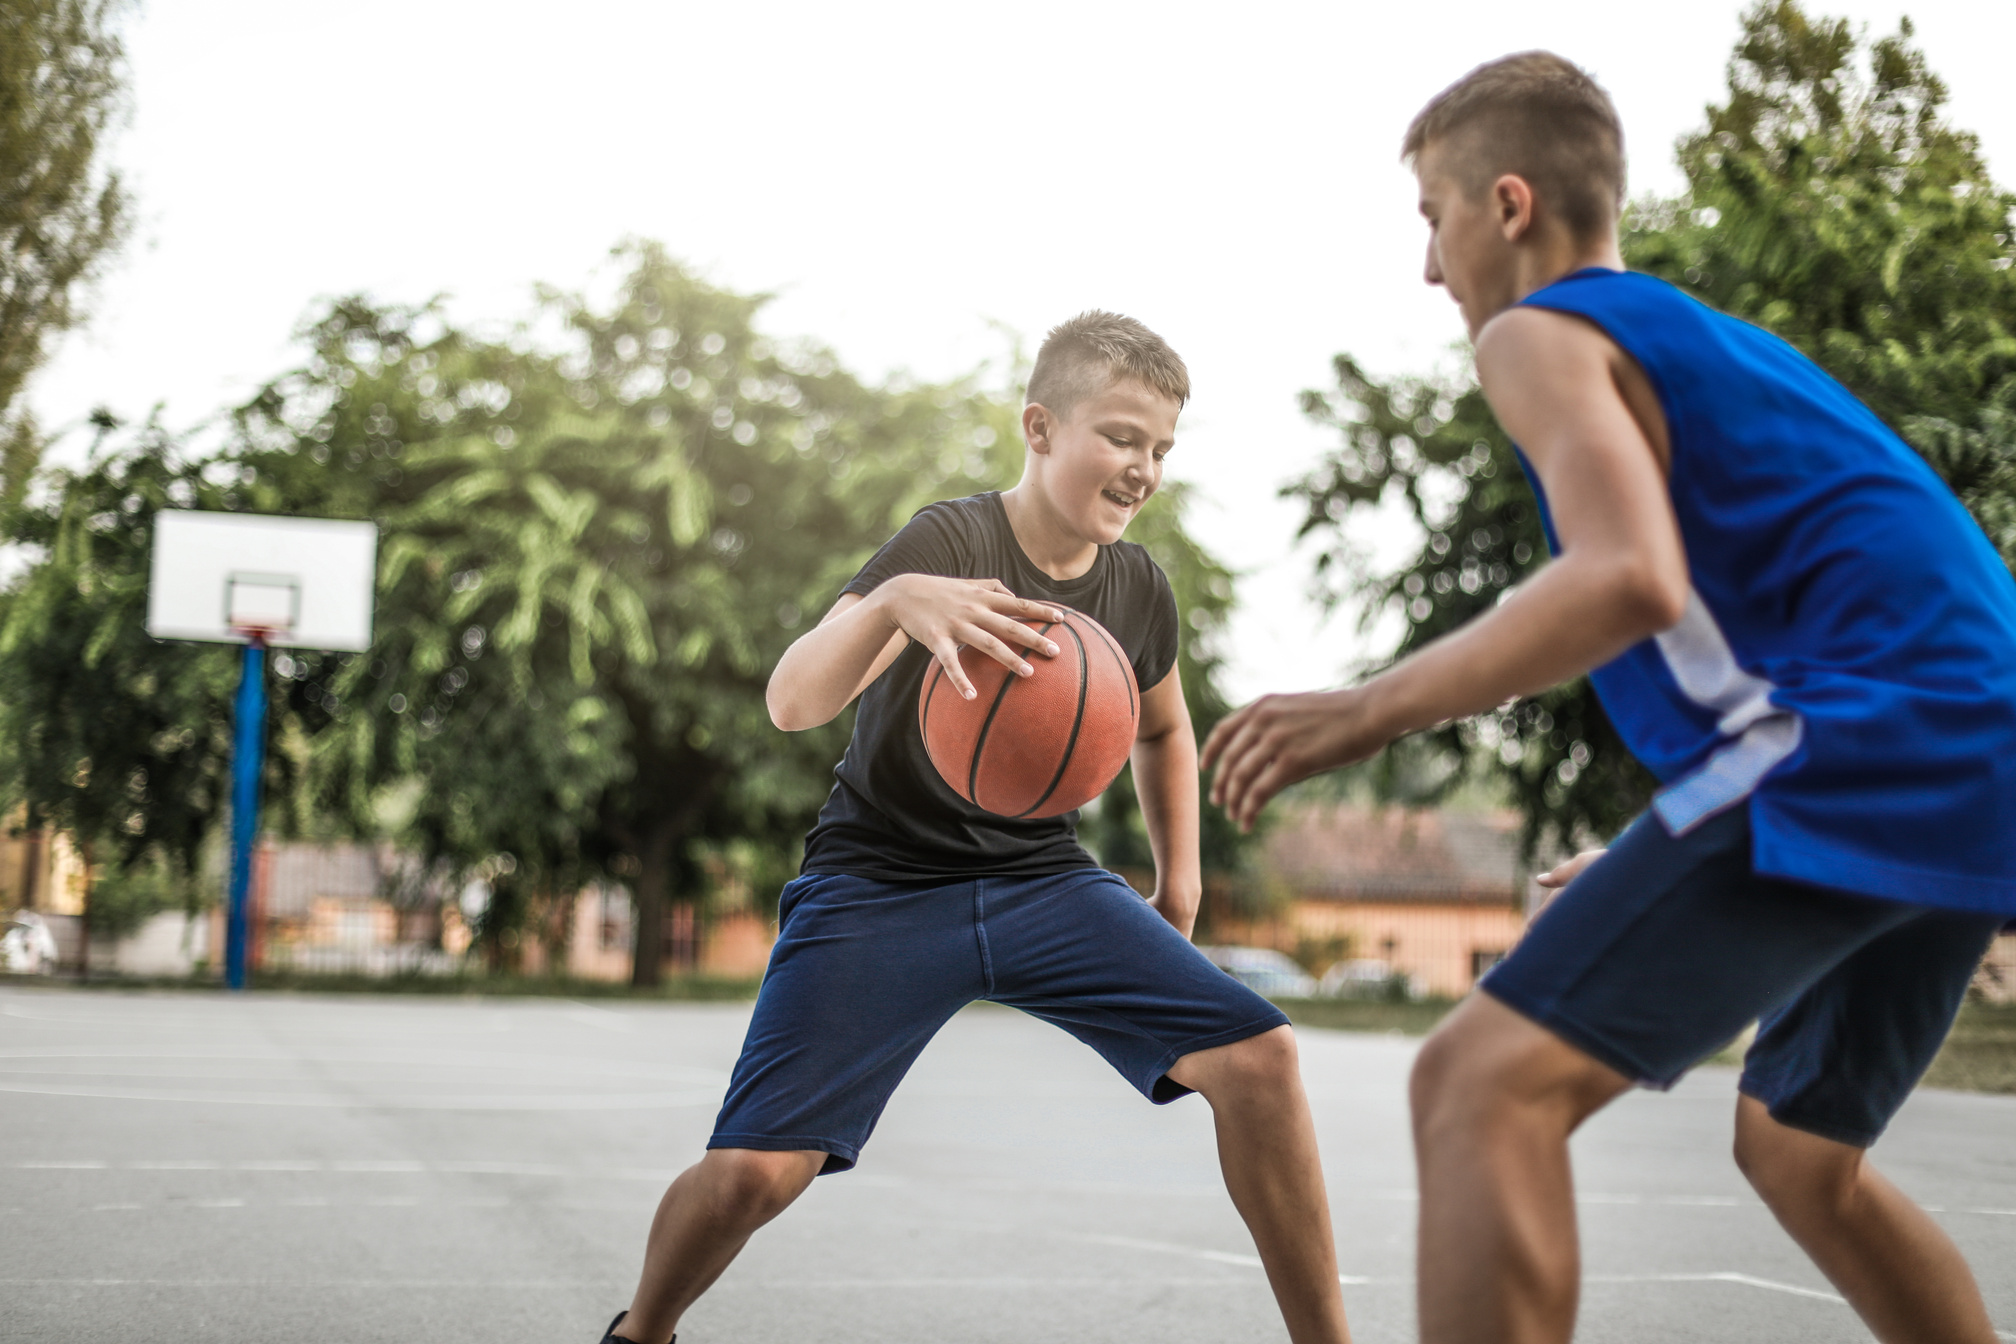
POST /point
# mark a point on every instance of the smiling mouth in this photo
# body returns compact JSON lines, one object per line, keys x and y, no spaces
{"x":1124,"y":501}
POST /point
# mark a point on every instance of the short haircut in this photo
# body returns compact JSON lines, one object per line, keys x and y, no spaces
{"x":1095,"y":350}
{"x":1540,"y":117}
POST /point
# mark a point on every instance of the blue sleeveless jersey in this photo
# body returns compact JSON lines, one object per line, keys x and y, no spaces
{"x":1847,"y":663}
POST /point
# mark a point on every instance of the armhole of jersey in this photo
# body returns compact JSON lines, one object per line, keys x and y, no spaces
{"x":1171,"y":611}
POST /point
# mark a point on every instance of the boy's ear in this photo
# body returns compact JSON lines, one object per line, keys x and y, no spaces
{"x":1037,"y":427}
{"x":1512,"y":202}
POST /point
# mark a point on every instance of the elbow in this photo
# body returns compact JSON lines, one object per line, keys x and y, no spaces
{"x":788,"y":717}
{"x":1653,"y":596}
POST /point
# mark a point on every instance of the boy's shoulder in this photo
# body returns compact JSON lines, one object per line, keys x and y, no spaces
{"x":967,"y":512}
{"x":983,"y":517}
{"x":971,"y":536}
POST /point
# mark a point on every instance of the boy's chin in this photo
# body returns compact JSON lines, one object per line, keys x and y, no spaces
{"x":1107,"y":521}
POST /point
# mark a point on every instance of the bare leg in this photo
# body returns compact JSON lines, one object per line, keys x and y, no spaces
{"x":703,"y":1222}
{"x":1495,"y":1099}
{"x":1895,"y":1266}
{"x":1267,"y":1147}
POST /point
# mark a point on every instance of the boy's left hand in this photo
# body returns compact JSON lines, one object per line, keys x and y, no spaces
{"x":1279,"y":739}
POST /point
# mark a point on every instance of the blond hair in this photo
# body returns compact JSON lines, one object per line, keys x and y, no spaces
{"x":1093,"y":351}
{"x":1540,"y":117}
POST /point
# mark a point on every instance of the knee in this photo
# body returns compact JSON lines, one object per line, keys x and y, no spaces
{"x":1483,"y":1068}
{"x":1451,"y":1075}
{"x":747,"y":1183}
{"x":1790,"y":1168}
{"x":1265,"y":1059}
{"x":1259,"y":1064}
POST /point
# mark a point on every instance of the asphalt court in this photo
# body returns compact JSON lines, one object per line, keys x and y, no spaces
{"x":182,"y":1167}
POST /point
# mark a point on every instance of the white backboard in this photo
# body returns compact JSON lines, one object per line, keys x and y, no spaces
{"x":304,"y":583}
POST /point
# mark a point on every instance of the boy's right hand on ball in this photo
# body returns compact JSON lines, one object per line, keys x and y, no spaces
{"x":981,"y":614}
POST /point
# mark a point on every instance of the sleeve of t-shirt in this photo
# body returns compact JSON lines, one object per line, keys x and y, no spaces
{"x":1159,"y":646}
{"x":932,"y":542}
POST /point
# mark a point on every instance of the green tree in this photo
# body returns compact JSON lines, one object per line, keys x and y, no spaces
{"x":1827,"y":200}
{"x":1204,"y":595}
{"x":593,"y":549}
{"x":61,"y":211}
{"x":591,"y":559}
{"x":119,"y":740}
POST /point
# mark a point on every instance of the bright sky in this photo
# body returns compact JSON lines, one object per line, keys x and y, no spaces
{"x":902,"y":176}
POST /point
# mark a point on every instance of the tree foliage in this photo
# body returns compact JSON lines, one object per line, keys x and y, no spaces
{"x":121,"y":741}
{"x":593,"y":548}
{"x":1826,"y":200}
{"x":1205,"y":598}
{"x":592,"y":557}
{"x":61,"y":210}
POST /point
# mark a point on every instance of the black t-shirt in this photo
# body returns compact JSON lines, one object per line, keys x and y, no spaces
{"x":890,"y":815}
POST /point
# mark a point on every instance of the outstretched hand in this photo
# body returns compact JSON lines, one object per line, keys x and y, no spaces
{"x":1279,"y":739}
{"x":1561,"y":874}
{"x":981,"y":614}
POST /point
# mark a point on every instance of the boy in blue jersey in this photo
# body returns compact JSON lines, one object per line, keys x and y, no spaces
{"x":1790,"y":619}
{"x":912,"y":902}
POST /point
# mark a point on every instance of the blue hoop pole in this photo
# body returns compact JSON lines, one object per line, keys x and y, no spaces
{"x":248,"y":758}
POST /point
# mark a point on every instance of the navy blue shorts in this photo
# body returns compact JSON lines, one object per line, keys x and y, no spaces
{"x":865,"y":972}
{"x":1668,"y":946}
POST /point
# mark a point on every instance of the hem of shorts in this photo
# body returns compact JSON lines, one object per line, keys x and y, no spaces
{"x":942,"y":875}
{"x":844,"y":1153}
{"x":1791,"y":1119}
{"x":1159,"y":1075}
{"x":1580,"y":1036}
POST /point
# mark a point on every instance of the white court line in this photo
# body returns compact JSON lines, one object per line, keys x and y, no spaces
{"x":604,"y":1018}
{"x":635,"y":1101}
{"x":15,"y":1058}
{"x":490,"y":1285}
{"x":508,"y":1169}
{"x":1253,"y":1262}
{"x":360,"y":1166}
{"x":1721,"y":1276}
{"x":1215,"y":1257}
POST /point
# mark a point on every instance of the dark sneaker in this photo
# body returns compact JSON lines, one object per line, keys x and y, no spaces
{"x":610,"y":1336}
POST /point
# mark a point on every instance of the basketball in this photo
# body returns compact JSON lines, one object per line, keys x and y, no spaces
{"x":1040,"y":745}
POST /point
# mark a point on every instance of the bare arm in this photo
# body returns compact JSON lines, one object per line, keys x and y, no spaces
{"x":1165,"y":781}
{"x":1621,"y":575}
{"x":827,"y":666}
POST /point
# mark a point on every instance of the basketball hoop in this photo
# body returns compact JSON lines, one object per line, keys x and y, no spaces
{"x":261,"y":608}
{"x":240,"y":578}
{"x":258,"y":581}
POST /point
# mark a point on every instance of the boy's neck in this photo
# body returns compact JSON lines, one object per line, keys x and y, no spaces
{"x":1051,"y":545}
{"x":1542,"y":265}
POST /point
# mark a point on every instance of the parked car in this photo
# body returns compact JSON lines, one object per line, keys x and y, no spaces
{"x":1366,"y":978}
{"x":27,"y":947}
{"x":1264,"y":971}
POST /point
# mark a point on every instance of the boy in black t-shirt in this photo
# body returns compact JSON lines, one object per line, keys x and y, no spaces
{"x":912,"y":902}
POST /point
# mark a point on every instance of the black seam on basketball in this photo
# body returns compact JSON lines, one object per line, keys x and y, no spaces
{"x":1070,"y":743}
{"x":980,"y":742}
{"x":924,"y":709}
{"x":1113,"y":646}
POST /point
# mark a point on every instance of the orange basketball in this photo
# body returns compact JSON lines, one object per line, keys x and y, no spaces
{"x":1040,"y":745}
